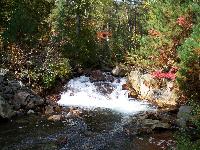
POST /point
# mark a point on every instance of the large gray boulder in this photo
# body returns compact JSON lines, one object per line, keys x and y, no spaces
{"x":184,"y":115}
{"x":97,"y":75}
{"x":26,"y":100}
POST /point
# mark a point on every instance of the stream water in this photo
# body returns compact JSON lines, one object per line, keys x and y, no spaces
{"x":83,"y":93}
{"x":106,"y":111}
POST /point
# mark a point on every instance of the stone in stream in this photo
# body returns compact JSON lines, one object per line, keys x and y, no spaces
{"x":120,"y":70}
{"x":97,"y":75}
{"x":133,"y":94}
{"x":30,"y":112}
{"x":73,"y":113}
{"x":49,"y":110}
{"x":144,"y":123}
{"x":55,"y":118}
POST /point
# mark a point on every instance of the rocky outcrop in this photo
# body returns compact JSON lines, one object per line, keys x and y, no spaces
{"x":15,"y":98}
{"x":159,"y":91}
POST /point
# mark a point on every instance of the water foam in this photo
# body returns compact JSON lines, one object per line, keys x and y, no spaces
{"x":83,"y":93}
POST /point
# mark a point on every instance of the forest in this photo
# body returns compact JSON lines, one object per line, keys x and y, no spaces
{"x":44,"y":43}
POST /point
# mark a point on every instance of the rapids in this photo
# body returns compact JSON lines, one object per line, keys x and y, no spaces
{"x":81,"y":92}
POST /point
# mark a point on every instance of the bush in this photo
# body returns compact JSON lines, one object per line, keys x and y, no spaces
{"x":55,"y":70}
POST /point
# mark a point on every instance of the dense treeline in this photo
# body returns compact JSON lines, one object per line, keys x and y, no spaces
{"x":43,"y":40}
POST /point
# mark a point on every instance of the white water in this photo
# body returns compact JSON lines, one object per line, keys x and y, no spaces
{"x":82,"y":93}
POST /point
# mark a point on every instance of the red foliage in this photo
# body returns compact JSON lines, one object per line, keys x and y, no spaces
{"x":103,"y":35}
{"x":153,"y":32}
{"x":168,"y":75}
{"x":183,"y":22}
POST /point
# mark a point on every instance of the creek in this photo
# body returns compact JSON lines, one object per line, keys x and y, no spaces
{"x":106,"y":116}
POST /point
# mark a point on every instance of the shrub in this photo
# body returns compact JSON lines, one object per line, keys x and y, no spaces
{"x":54,"y":70}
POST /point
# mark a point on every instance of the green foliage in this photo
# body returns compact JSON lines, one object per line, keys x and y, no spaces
{"x":184,"y":141}
{"x":26,"y":20}
{"x":74,"y":25}
{"x":60,"y":69}
{"x":189,"y":54}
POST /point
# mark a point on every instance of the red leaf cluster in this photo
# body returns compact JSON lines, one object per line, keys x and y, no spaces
{"x":103,"y":35}
{"x":168,"y":75}
{"x":183,"y":22}
{"x":153,"y":32}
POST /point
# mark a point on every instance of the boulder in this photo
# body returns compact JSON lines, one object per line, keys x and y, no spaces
{"x":55,"y":118}
{"x":7,"y":92}
{"x":33,"y":101}
{"x":30,"y":112}
{"x":97,"y":75}
{"x":49,"y":110}
{"x":120,"y":70}
{"x":15,"y":98}
{"x":153,"y":124}
{"x":184,"y":115}
{"x":15,"y":85}
{"x":20,"y":99}
{"x":6,"y":110}
{"x":26,"y":100}
{"x":1,"y":79}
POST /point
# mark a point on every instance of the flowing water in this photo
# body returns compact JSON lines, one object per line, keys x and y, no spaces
{"x":107,"y":111}
{"x":83,"y":93}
